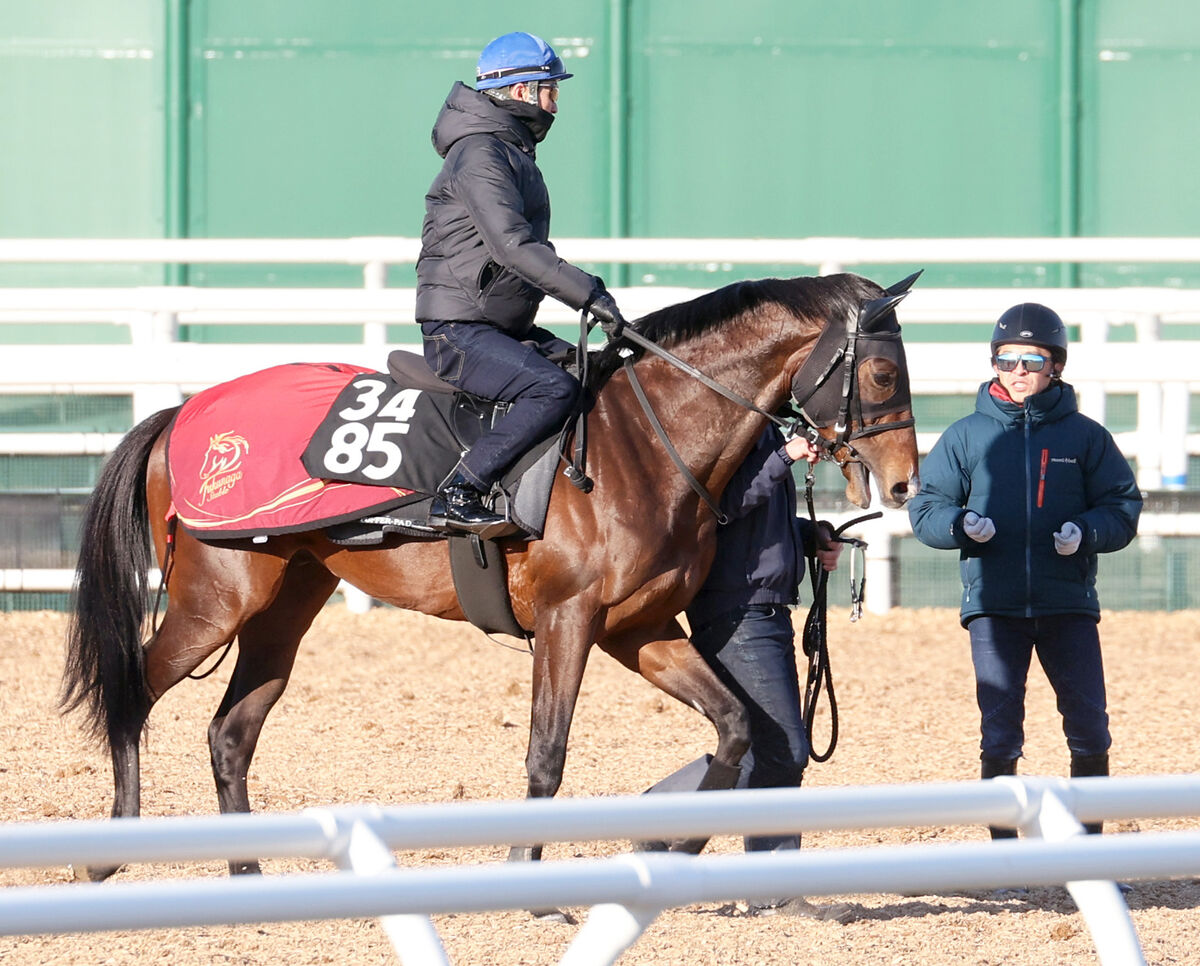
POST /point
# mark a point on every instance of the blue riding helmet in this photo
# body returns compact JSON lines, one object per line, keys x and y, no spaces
{"x":517,"y":57}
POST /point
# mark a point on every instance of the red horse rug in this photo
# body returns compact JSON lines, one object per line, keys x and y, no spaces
{"x":236,"y":451}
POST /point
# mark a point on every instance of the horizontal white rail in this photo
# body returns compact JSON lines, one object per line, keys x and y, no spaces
{"x":772,"y":811}
{"x":126,"y":306}
{"x":831,"y":253}
{"x":626,"y":892}
{"x":158,"y":370}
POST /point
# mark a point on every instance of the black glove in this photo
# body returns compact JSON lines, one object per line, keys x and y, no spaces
{"x":604,"y":308}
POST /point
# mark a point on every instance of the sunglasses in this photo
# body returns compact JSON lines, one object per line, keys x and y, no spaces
{"x":1007,"y":361}
{"x":552,"y":90}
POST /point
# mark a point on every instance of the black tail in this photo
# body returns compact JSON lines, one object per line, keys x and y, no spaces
{"x":104,"y":668}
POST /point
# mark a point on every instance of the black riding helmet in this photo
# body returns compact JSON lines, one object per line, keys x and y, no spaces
{"x":1032,"y":324}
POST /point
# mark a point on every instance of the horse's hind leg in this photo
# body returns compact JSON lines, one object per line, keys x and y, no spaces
{"x":211,"y":592}
{"x":127,"y":796}
{"x":267,"y":647}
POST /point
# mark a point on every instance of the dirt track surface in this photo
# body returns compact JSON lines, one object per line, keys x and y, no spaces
{"x":391,"y":707}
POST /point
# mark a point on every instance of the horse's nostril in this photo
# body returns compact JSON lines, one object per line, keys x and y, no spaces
{"x":907,"y":490}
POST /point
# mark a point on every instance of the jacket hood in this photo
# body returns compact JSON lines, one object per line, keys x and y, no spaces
{"x":467,"y":112}
{"x":1050,"y":405}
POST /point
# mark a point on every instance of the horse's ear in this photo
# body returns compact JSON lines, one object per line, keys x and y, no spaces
{"x":901,"y":287}
{"x":876,"y":308}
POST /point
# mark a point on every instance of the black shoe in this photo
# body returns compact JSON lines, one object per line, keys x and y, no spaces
{"x":458,"y":505}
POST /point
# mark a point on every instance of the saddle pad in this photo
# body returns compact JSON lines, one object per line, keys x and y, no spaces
{"x":233,"y":456}
{"x":378,"y":430}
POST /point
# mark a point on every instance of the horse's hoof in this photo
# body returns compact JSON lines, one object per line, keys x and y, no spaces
{"x":84,"y":873}
{"x":688,"y":846}
{"x":245,"y":868}
{"x":554,"y":915}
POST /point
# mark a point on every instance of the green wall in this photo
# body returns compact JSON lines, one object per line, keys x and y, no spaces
{"x":772,"y":118}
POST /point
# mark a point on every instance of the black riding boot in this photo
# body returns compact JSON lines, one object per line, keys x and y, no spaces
{"x":993,"y":768}
{"x":458,"y":505}
{"x":1090,"y":766}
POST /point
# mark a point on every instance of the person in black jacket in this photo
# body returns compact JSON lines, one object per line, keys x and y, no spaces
{"x":1029,"y":491}
{"x":486,"y":262}
{"x":741,"y":624}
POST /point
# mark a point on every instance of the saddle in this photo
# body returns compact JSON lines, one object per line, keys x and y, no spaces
{"x":478,"y":567}
{"x":410,"y":428}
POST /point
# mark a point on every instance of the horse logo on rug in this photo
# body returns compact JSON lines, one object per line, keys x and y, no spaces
{"x":220,"y":471}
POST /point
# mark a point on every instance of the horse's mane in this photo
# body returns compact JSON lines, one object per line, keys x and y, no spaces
{"x":824,"y":297}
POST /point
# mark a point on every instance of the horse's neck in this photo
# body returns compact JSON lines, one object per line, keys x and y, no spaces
{"x":714,"y":434}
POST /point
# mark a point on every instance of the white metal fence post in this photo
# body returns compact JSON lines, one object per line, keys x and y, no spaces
{"x":1174,"y":461}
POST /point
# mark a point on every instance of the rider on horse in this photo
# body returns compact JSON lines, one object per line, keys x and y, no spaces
{"x":486,"y":263}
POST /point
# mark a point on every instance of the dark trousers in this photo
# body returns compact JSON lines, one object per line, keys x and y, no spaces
{"x":1068,"y":647}
{"x":480,"y":359}
{"x":752,"y":650}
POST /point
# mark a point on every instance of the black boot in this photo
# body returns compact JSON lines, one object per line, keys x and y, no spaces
{"x":1090,"y":766}
{"x":458,"y":505}
{"x":993,"y":768}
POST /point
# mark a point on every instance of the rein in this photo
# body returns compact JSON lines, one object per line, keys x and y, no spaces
{"x":814,"y":640}
{"x":813,"y":405}
{"x":653,"y":347}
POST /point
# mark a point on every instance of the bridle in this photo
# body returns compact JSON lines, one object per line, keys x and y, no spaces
{"x":826,"y":403}
{"x":820,"y":400}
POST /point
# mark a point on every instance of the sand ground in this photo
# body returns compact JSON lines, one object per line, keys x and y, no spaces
{"x":391,"y":707}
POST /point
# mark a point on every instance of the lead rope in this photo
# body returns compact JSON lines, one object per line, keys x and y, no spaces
{"x":814,"y":640}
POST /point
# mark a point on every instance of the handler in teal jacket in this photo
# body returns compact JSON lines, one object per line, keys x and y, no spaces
{"x":1028,"y":490}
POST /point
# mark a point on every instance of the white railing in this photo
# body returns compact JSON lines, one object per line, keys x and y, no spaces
{"x":157,"y":369}
{"x":831,"y":255}
{"x":626,"y":893}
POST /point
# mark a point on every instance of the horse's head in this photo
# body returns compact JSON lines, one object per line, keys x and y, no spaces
{"x":853,"y":393}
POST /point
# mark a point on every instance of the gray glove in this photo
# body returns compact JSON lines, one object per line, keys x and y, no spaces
{"x":980,"y":529}
{"x":1068,"y":539}
{"x":604,"y":308}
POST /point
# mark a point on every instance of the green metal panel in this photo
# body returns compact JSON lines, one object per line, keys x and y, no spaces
{"x":808,"y":118}
{"x":311,"y":118}
{"x":80,"y":130}
{"x":1141,"y":131}
{"x":765,"y":118}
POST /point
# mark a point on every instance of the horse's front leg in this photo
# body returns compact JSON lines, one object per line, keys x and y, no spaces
{"x":670,"y":662}
{"x":559,"y":658}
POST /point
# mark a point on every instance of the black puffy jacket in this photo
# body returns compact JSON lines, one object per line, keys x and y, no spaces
{"x":485,"y":249}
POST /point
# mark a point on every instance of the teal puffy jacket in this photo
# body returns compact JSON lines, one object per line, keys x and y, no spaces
{"x":1030,"y":468}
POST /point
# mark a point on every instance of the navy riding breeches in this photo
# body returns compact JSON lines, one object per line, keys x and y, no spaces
{"x":1068,"y":647}
{"x":480,"y":359}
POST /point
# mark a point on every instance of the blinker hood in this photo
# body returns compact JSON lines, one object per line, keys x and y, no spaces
{"x":871,"y":332}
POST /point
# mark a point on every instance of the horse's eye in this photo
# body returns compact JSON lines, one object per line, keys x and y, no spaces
{"x":884,"y":380}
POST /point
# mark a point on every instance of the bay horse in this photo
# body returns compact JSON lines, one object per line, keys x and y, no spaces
{"x":615,"y":567}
